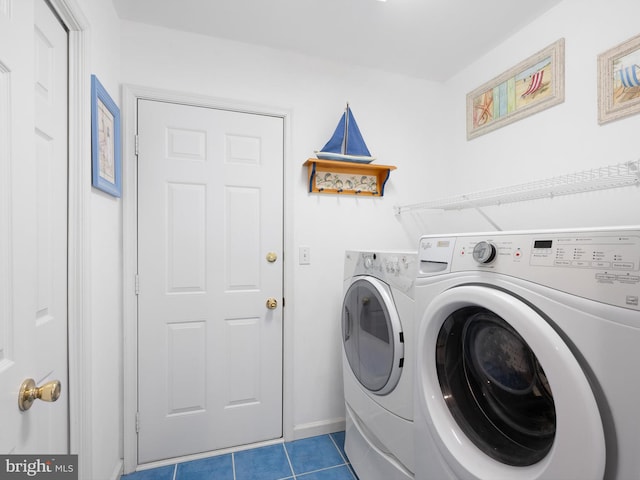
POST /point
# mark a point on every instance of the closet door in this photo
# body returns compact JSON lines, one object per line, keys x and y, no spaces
{"x":33,"y":227}
{"x":210,"y":275}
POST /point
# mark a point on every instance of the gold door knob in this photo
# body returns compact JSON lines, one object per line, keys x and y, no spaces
{"x":272,"y":257}
{"x":272,"y":303}
{"x":29,"y":393}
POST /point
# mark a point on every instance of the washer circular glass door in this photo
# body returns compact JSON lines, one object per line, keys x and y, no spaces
{"x":499,"y":392}
{"x":503,"y":394}
{"x":372,"y":335}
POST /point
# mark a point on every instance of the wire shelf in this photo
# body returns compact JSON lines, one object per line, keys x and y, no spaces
{"x":612,"y":176}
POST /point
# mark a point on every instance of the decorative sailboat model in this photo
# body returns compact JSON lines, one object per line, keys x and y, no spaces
{"x":346,"y":144}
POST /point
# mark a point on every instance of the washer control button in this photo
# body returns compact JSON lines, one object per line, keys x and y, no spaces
{"x":484,"y":252}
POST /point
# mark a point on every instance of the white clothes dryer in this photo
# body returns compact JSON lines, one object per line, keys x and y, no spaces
{"x":528,"y":346}
{"x":377,"y":339}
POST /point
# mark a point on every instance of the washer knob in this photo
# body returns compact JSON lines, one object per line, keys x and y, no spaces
{"x":484,"y":252}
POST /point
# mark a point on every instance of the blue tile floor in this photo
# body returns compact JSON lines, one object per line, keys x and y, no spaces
{"x":315,"y":458}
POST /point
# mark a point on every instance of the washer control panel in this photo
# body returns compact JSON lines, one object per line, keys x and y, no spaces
{"x":603,"y":265}
{"x":398,"y":269}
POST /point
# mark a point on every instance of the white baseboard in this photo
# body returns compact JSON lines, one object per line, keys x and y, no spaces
{"x":212,"y":453}
{"x":117,"y":471}
{"x":314,"y":429}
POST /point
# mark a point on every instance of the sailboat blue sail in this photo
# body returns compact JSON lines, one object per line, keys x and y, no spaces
{"x":346,"y":144}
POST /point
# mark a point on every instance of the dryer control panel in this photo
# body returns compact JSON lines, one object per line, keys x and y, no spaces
{"x":397,"y":269}
{"x":602,"y":265}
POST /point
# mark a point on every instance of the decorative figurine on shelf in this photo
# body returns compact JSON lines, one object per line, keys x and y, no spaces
{"x":346,"y":144}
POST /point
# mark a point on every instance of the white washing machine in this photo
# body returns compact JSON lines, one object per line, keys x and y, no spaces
{"x":528,"y":346}
{"x":377,"y":338}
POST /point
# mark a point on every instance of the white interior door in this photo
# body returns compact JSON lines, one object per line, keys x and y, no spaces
{"x":33,"y":224}
{"x":209,"y":218}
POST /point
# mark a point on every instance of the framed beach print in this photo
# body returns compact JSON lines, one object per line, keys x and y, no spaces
{"x":106,"y":157}
{"x":533,"y":85}
{"x":619,"y":81}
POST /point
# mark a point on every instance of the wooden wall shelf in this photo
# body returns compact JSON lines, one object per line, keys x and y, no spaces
{"x":349,"y":178}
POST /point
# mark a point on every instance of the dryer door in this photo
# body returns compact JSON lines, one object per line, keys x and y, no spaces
{"x":505,"y":396}
{"x":372,"y":335}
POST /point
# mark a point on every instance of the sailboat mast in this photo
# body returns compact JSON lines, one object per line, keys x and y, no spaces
{"x":346,"y":131}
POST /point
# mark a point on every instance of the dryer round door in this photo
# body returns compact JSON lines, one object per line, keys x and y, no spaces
{"x":372,"y":335}
{"x":503,"y":394}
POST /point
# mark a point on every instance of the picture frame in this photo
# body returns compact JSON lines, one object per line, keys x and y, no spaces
{"x":533,"y":85}
{"x":619,"y":81}
{"x":106,"y":154}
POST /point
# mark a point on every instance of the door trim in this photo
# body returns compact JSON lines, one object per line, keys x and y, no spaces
{"x":130,"y":95}
{"x":78,"y":259}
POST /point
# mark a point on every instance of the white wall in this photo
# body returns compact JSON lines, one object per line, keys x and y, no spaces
{"x":417,"y":126}
{"x":394,"y":115}
{"x":561,"y":140}
{"x":105,"y":283}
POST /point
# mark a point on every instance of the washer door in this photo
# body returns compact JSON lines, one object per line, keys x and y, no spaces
{"x":372,"y":335}
{"x":503,"y":394}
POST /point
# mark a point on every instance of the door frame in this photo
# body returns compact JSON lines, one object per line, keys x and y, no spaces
{"x":78,"y":252}
{"x":130,"y":95}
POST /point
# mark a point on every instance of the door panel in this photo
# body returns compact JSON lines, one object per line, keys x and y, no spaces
{"x":33,"y":222}
{"x":209,"y":210}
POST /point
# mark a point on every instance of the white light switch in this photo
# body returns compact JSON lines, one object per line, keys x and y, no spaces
{"x":305,"y":255}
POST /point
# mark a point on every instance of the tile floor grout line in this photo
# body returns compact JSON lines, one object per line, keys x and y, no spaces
{"x":325,"y":468}
{"x":338,"y":448}
{"x":233,"y":464}
{"x":346,"y":460}
{"x":284,"y":445}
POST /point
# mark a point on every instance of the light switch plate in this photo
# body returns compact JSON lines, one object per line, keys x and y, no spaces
{"x":304,"y":255}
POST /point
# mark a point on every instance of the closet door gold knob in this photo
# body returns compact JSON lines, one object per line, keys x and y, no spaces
{"x":29,"y":393}
{"x":272,"y":303}
{"x":272,"y":257}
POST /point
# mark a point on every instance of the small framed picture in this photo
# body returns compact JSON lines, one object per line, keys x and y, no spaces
{"x":619,"y":81}
{"x":106,"y":157}
{"x":533,"y":85}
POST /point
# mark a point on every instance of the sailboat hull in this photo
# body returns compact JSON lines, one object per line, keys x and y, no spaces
{"x":341,"y":157}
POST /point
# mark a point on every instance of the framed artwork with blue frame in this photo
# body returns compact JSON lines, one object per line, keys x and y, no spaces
{"x":106,"y":155}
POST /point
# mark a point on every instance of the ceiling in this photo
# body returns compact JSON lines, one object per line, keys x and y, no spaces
{"x":428,"y":39}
